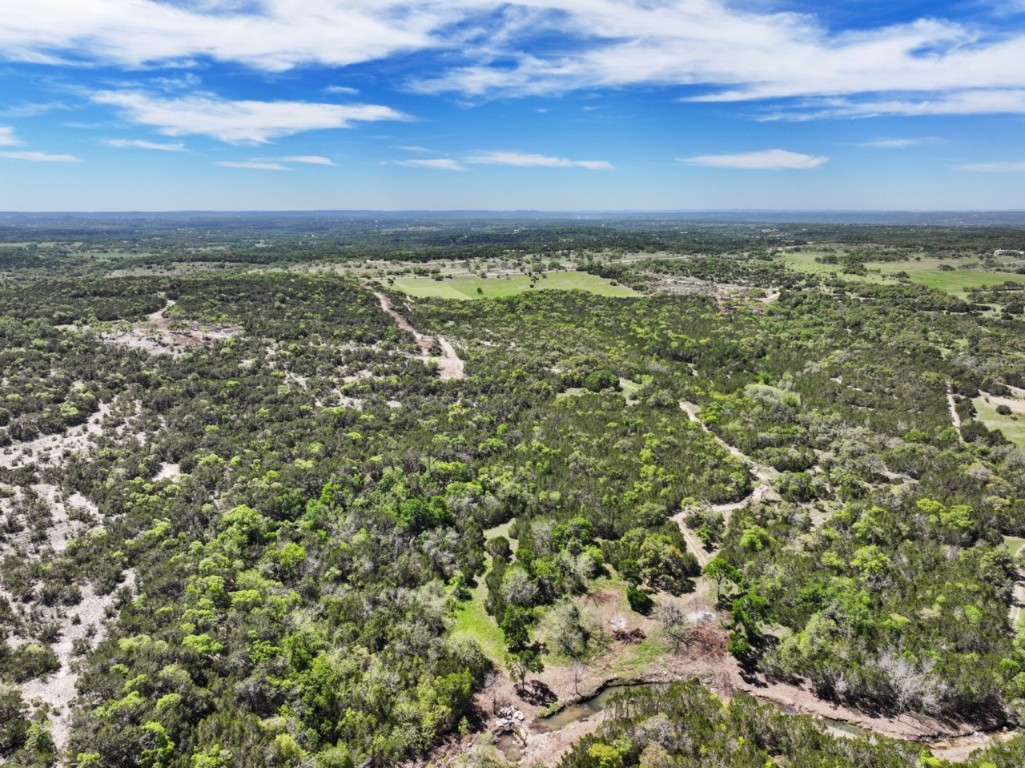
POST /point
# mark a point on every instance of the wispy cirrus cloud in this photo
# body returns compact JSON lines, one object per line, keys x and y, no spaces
{"x":894,"y":143}
{"x":33,"y":110}
{"x":272,"y":35}
{"x":160,"y":146}
{"x":7,"y":137}
{"x":276,"y":163}
{"x":734,"y":52}
{"x":39,"y":157}
{"x":302,"y":159}
{"x":433,"y":163}
{"x":528,"y":160}
{"x":765,"y":160}
{"x":1004,"y":167}
{"x":514,"y":159}
{"x":238,"y":122}
{"x":1002,"y":101}
{"x":253,"y":165}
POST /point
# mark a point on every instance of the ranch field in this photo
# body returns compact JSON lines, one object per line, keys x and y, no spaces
{"x":926,"y":272}
{"x":466,"y":287}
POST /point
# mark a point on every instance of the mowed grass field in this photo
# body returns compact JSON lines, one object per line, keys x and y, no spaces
{"x":465,"y":287}
{"x":1013,"y":425}
{"x":926,"y":272}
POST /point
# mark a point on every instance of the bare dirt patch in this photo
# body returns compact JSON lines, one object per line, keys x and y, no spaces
{"x":160,"y":335}
{"x":168,"y":471}
{"x":955,"y":419}
{"x":50,"y":450}
{"x":450,"y":366}
{"x":1015,"y":404}
{"x":84,"y":623}
{"x":79,"y":626}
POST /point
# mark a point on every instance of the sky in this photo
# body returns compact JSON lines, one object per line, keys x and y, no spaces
{"x":549,"y":105}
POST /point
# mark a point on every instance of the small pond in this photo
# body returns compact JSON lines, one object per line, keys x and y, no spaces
{"x":575,"y":713}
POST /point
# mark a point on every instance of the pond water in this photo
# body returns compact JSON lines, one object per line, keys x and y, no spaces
{"x":510,"y":746}
{"x":576,"y":713}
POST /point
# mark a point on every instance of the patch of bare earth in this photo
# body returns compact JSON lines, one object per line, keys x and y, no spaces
{"x":78,"y":627}
{"x":168,"y":471}
{"x":450,"y":365}
{"x":160,"y":335}
{"x":51,"y":450}
{"x":39,"y":522}
{"x":83,"y":624}
{"x":688,"y":286}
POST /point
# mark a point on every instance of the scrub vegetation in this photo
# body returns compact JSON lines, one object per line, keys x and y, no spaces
{"x":279,"y":495}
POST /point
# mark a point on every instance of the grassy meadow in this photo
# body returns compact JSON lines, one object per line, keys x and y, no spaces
{"x":466,"y":287}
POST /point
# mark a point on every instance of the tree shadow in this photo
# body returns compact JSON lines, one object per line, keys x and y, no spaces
{"x":537,"y":693}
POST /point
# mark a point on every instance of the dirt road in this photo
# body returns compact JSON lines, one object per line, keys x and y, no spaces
{"x":450,"y":365}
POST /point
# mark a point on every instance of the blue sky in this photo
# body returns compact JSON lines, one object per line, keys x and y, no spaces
{"x":541,"y":104}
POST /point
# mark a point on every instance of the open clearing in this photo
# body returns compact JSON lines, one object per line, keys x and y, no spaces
{"x":1012,"y":424}
{"x":927,"y":272}
{"x":465,"y":287}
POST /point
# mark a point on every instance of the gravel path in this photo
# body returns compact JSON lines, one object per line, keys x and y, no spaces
{"x":450,"y":366}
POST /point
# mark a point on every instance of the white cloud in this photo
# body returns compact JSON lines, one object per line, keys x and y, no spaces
{"x":526,"y":160}
{"x":255,"y":165}
{"x":7,"y":137}
{"x":33,"y":110}
{"x":734,"y":52}
{"x":176,"y":146}
{"x":437,"y":163}
{"x":252,"y":122}
{"x":343,"y":90}
{"x":303,"y":159}
{"x":272,"y":35}
{"x":893,"y":143}
{"x":974,"y":102}
{"x":740,"y":54}
{"x":39,"y":157}
{"x":767,"y":160}
{"x":1009,"y":167}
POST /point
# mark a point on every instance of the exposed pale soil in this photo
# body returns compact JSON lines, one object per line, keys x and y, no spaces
{"x":57,"y":690}
{"x":708,"y":662}
{"x":955,"y":419}
{"x":450,"y":366}
{"x":156,"y":335}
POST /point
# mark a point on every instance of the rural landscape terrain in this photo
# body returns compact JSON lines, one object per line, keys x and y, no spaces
{"x":329,"y":491}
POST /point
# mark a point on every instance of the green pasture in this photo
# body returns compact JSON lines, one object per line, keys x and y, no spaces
{"x":1013,"y":425}
{"x":465,"y":287}
{"x":926,"y":272}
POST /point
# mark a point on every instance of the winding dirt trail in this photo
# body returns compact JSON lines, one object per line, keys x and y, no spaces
{"x":763,"y":490}
{"x":764,"y":473}
{"x":1017,"y":600}
{"x":450,"y":365}
{"x":954,"y":417}
{"x":159,"y":319}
